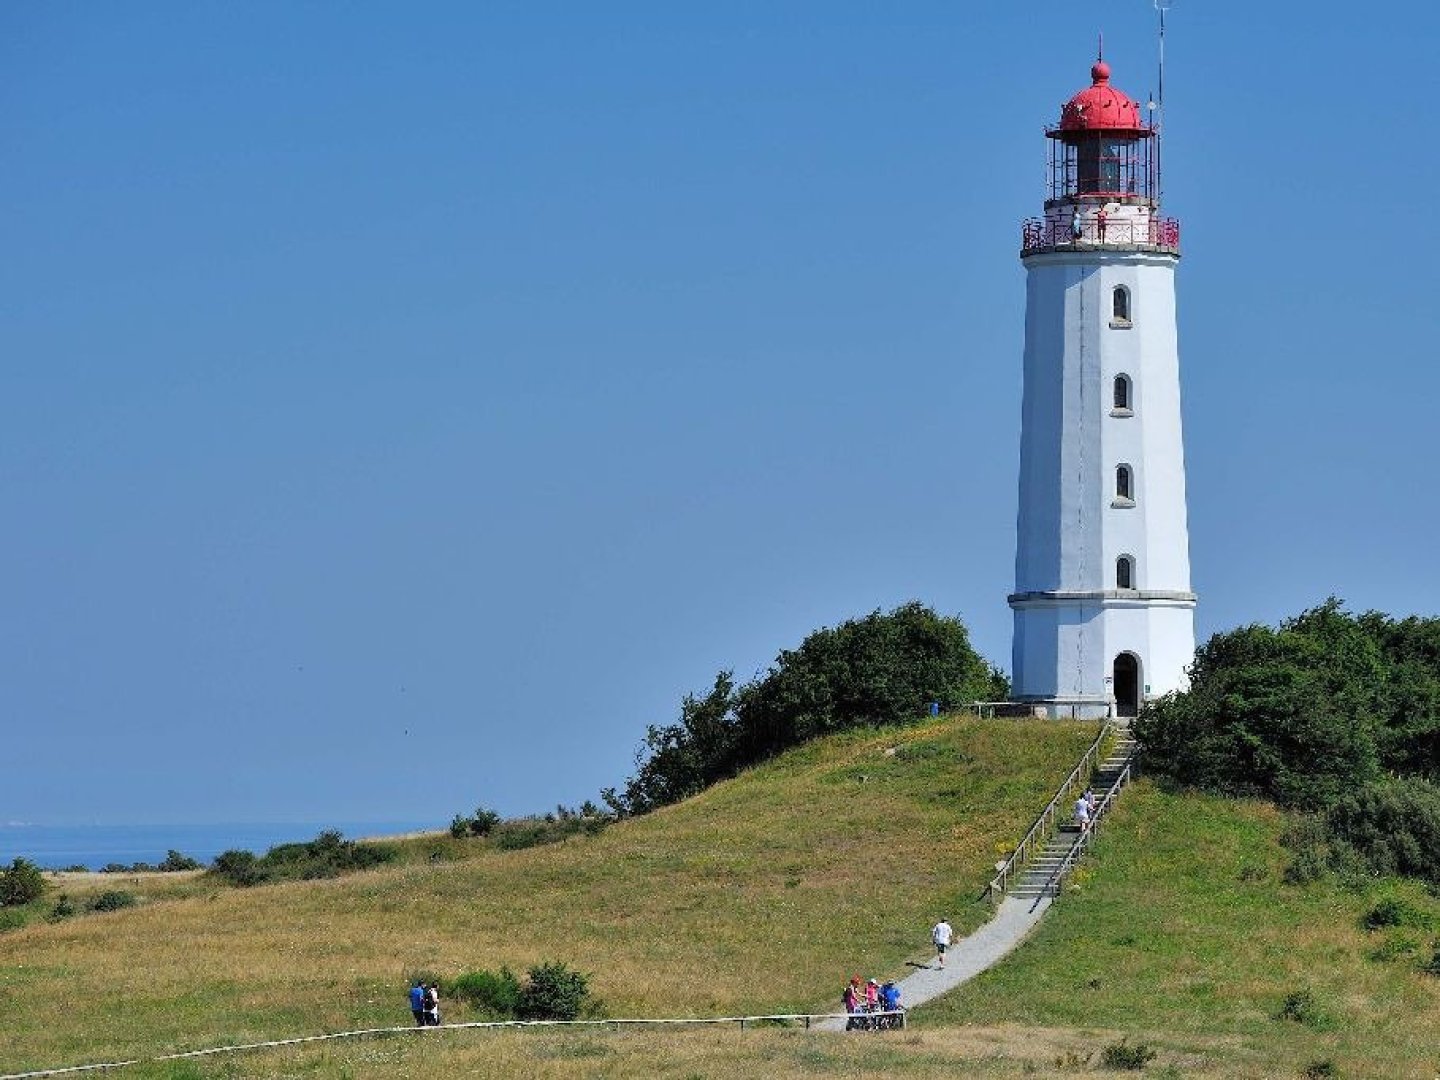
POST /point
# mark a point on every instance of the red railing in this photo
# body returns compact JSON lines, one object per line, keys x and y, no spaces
{"x":1038,"y":234}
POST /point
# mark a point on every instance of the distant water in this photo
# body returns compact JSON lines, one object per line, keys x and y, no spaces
{"x":54,"y":847}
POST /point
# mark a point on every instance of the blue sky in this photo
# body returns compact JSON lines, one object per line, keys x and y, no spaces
{"x":403,"y":405}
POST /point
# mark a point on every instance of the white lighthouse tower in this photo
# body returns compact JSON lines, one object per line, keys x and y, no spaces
{"x":1104,"y":615}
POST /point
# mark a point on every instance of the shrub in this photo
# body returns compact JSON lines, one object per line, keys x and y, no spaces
{"x":553,"y":992}
{"x":1393,"y":948}
{"x":12,"y":919}
{"x":112,"y":900}
{"x":64,"y":908}
{"x":1301,"y":1007}
{"x":328,"y":855}
{"x":1433,"y":967}
{"x":495,"y":993}
{"x":1321,"y":1070}
{"x":1395,"y":825}
{"x":175,"y":861}
{"x":1122,"y":1055}
{"x":1396,"y":911}
{"x":21,"y":883}
{"x":239,"y":868}
{"x":484,"y":822}
{"x":459,"y":826}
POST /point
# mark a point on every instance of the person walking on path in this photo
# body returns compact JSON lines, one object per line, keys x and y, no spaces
{"x":1082,"y":813}
{"x":432,"y":1005}
{"x":417,"y":1002}
{"x":940,"y":934}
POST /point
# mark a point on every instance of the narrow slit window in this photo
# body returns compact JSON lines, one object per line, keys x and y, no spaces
{"x":1125,"y":572}
{"x":1122,"y":392}
{"x":1120,"y":304}
{"x":1124,"y":483}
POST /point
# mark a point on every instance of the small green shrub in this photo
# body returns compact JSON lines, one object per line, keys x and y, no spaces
{"x":1321,"y":1070}
{"x":1394,"y":948}
{"x":1301,"y":1007}
{"x":494,"y":993}
{"x":553,"y":992}
{"x":112,"y":900}
{"x":1396,"y":911}
{"x":1123,"y":1055}
{"x":64,"y":908}
{"x":21,"y":883}
{"x":459,"y":826}
{"x":176,"y":861}
{"x":240,"y":868}
{"x":1433,"y":967}
{"x":12,"y":919}
{"x":484,"y":822}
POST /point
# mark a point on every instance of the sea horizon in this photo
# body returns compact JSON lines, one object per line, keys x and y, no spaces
{"x":57,"y":847}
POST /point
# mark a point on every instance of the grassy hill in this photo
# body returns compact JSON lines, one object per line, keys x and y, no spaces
{"x":762,"y":895}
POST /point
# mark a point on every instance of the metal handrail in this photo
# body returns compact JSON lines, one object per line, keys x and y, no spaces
{"x":1041,"y":234}
{"x":1022,"y":851}
{"x":1052,"y":885}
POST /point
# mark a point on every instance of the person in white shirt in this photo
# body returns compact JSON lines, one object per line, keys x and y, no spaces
{"x":1082,"y":813}
{"x":940,"y":935}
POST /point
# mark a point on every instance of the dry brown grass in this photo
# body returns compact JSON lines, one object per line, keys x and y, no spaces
{"x":758,"y":896}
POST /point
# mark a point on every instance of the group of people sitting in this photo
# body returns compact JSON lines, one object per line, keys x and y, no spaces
{"x":869,"y":1005}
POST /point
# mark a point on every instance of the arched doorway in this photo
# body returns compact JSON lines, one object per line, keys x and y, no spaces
{"x":1127,"y":684}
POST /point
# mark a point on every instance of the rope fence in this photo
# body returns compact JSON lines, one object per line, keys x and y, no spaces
{"x":614,"y":1025}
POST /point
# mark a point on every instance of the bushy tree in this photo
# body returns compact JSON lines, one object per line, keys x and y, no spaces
{"x":553,"y":991}
{"x":22,"y":882}
{"x":1331,"y":713}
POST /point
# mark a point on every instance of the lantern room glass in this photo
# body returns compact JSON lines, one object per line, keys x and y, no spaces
{"x":1101,"y":164}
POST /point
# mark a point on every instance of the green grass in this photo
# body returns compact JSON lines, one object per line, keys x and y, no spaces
{"x":1179,"y":930}
{"x":760,"y":895}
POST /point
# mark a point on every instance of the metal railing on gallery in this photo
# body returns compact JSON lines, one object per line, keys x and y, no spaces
{"x":1153,"y":234}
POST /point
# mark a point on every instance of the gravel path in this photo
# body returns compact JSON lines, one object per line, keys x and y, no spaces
{"x":969,"y":956}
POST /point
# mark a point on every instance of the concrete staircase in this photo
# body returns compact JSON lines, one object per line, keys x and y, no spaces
{"x":1039,"y":876}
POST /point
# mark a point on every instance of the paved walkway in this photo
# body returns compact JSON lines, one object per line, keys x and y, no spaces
{"x":969,"y":956}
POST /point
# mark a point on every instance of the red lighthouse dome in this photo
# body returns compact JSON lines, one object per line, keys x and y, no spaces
{"x":1100,"y":107}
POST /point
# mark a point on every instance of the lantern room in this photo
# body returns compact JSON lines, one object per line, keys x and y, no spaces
{"x":1102,"y":151}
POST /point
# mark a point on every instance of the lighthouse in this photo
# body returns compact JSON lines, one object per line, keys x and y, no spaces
{"x":1104,"y":614}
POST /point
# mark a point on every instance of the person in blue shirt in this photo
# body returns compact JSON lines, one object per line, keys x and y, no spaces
{"x":417,"y":1002}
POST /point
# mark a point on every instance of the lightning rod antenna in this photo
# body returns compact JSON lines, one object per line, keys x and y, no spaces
{"x":1158,"y":105}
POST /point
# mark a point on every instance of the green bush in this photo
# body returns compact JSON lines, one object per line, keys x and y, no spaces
{"x":21,"y":883}
{"x":1321,"y":1070}
{"x":12,"y":918}
{"x":328,"y":855}
{"x":64,"y":908}
{"x":1396,"y":911}
{"x":239,"y":867}
{"x":112,"y":900}
{"x":1301,"y":1007}
{"x":1305,"y":713}
{"x":1394,"y":825}
{"x":495,"y":993}
{"x":1123,"y":1055}
{"x":176,"y":861}
{"x":553,"y":992}
{"x":1433,"y":967}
